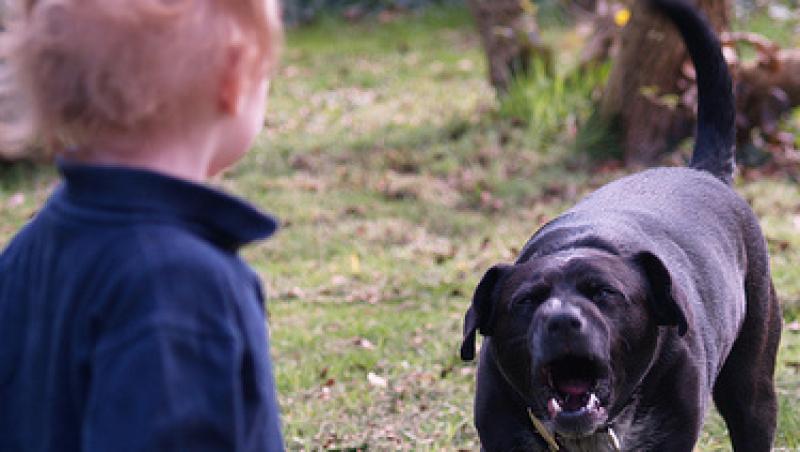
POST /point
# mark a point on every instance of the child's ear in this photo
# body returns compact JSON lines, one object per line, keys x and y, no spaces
{"x":232,"y":81}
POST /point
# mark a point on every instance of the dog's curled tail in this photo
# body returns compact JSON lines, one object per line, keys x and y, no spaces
{"x":716,"y":110}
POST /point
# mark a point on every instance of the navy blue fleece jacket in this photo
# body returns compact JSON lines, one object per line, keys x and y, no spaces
{"x":129,"y":323}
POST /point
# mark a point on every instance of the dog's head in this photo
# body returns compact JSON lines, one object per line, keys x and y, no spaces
{"x":575,"y":331}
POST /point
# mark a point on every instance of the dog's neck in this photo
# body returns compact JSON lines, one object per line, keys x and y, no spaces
{"x":599,"y":442}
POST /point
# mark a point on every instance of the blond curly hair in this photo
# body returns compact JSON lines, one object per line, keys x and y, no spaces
{"x":87,"y":67}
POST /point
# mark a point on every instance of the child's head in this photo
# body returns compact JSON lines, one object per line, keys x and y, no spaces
{"x":97,"y":68}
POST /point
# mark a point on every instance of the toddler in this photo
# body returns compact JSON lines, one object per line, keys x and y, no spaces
{"x":127,"y":320}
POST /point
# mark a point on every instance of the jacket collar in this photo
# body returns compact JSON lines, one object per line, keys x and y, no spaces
{"x":146,"y":196}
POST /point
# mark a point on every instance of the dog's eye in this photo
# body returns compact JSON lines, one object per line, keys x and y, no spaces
{"x":533,"y":297}
{"x":602,"y":294}
{"x":599,"y":293}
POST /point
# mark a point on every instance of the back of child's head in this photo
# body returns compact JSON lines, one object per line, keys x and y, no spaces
{"x":107,"y":67}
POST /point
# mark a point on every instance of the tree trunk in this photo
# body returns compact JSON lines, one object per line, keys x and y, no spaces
{"x":646,"y":79}
{"x":510,"y":38}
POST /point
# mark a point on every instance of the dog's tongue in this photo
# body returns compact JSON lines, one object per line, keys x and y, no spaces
{"x":574,"y":387}
{"x":574,"y":393}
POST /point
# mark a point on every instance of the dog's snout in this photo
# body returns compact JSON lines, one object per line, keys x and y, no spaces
{"x":565,"y":323}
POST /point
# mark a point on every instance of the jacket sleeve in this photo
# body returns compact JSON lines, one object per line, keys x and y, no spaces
{"x":166,"y":367}
{"x":164,"y":389}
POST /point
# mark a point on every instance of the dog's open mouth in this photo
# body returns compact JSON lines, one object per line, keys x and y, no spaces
{"x":575,"y":386}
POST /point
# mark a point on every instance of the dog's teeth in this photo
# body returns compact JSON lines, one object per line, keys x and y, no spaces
{"x":553,"y":407}
{"x":593,"y":402}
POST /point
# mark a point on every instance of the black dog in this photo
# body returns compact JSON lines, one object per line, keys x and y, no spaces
{"x":622,"y":316}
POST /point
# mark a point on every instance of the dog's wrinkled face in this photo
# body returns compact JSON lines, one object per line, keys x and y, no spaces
{"x":570,"y":331}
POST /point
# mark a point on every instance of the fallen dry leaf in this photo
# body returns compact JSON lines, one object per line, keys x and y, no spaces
{"x":325,"y":393}
{"x":355,"y":263}
{"x":371,"y":295}
{"x":376,"y":380}
{"x":364,"y":343}
{"x":295,"y":292}
{"x":16,"y":200}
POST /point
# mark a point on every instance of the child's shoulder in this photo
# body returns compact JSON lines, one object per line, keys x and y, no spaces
{"x":159,"y":277}
{"x":113,"y":249}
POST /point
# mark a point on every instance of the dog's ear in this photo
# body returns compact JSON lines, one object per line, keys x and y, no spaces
{"x":667,"y":301}
{"x":479,"y":314}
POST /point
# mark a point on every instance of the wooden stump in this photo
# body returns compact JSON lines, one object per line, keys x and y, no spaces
{"x":510,"y":37}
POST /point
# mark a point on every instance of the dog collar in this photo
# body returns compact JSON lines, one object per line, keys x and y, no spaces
{"x":554,"y":446}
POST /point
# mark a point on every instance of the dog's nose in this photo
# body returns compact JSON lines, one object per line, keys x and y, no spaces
{"x":565,"y":323}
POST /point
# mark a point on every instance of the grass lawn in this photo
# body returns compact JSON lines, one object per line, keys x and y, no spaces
{"x":398,"y":186}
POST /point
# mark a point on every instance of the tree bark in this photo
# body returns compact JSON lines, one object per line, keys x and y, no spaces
{"x":646,"y":79}
{"x":510,"y":37}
